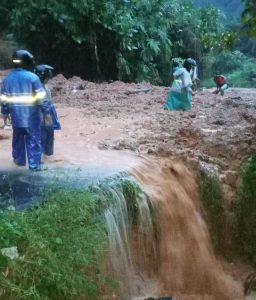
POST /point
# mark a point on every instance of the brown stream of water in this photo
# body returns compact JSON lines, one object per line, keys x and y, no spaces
{"x":168,"y":251}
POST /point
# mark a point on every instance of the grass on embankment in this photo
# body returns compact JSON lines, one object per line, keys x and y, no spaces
{"x":245,"y":212}
{"x":241,"y":228}
{"x":61,"y":246}
{"x":62,"y":243}
{"x":213,"y":204}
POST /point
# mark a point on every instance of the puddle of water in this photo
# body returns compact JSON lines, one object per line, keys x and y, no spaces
{"x":24,"y":188}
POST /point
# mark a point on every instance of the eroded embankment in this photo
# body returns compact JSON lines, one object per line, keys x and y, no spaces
{"x":158,"y":240}
{"x":218,"y":133}
{"x":166,"y":249}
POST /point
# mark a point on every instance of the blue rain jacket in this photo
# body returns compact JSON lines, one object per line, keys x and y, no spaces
{"x":47,"y":141}
{"x":21,"y":96}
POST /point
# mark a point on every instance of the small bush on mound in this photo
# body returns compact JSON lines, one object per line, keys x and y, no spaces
{"x":61,"y":245}
{"x":245,"y":212}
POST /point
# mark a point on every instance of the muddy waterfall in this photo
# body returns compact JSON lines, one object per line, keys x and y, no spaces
{"x":160,"y":245}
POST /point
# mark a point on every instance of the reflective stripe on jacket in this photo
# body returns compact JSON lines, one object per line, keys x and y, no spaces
{"x":21,"y":96}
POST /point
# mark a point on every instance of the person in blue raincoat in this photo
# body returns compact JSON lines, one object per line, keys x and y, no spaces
{"x":21,"y":96}
{"x":180,"y":95}
{"x":50,"y":120}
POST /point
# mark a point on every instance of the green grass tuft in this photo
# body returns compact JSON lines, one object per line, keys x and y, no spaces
{"x":245,"y":212}
{"x":212,"y":199}
{"x":61,"y":244}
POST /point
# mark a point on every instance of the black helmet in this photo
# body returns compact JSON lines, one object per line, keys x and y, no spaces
{"x":43,"y":72}
{"x":23,"y":59}
{"x":189,"y":63}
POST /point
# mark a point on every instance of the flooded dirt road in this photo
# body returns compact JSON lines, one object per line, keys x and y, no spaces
{"x":112,"y":125}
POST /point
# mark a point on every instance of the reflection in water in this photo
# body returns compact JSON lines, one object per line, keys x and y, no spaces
{"x":24,"y":188}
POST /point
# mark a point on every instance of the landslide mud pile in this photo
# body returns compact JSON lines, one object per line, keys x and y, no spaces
{"x":218,"y":132}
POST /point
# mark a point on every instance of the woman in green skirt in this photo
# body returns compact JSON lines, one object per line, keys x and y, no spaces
{"x":180,"y":94}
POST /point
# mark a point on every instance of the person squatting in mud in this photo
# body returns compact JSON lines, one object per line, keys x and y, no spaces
{"x":50,"y":120}
{"x":221,"y":83}
{"x":21,"y":96}
{"x":180,"y":94}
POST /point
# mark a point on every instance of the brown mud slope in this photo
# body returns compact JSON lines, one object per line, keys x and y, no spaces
{"x":218,"y":131}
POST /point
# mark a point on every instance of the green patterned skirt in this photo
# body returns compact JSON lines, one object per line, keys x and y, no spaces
{"x":178,"y":101}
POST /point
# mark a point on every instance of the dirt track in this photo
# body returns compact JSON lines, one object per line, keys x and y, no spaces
{"x":218,"y":133}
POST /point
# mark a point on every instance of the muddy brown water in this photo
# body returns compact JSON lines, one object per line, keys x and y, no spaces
{"x":168,"y":253}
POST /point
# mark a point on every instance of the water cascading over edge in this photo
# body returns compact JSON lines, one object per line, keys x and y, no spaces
{"x":158,"y":239}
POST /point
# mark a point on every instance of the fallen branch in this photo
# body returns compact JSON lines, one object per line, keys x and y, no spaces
{"x":136,"y":91}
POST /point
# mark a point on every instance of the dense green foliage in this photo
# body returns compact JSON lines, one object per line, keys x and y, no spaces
{"x":246,"y":212}
{"x":239,"y":69}
{"x":231,"y":8}
{"x":249,"y":17}
{"x":61,"y":246}
{"x":128,"y":40}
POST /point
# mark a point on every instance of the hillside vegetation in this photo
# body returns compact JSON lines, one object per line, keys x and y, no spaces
{"x":232,"y":8}
{"x":124,"y":40}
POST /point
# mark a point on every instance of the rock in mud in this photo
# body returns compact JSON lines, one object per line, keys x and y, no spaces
{"x":230,"y":178}
{"x":161,"y":298}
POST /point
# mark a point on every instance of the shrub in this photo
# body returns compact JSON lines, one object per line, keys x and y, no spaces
{"x":227,"y":61}
{"x":61,"y":246}
{"x":245,"y":212}
{"x":212,"y":199}
{"x":238,"y":68}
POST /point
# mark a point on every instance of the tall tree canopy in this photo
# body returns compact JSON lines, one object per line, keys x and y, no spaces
{"x":115,"y":39}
